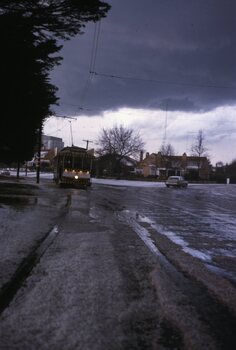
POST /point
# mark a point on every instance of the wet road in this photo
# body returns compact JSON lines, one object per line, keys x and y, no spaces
{"x":123,"y":268}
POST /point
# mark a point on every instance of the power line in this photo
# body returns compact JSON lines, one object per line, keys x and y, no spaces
{"x":95,"y":46}
{"x":103,"y":108}
{"x":81,"y":108}
{"x":168,"y":82}
{"x":88,"y":82}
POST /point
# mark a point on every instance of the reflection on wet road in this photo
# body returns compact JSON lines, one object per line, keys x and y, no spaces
{"x":121,"y":268}
{"x":201,"y":219}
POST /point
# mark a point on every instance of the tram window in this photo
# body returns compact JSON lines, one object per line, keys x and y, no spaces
{"x":82,"y":163}
{"x":67,"y":162}
{"x":78,"y":163}
{"x":87,"y":163}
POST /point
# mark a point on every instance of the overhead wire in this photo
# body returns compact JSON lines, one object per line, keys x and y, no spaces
{"x":98,"y":108}
{"x":95,"y":46}
{"x":92,"y":63}
{"x":169,"y":82}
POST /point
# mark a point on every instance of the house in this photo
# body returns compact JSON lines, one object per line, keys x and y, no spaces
{"x":49,"y":148}
{"x":112,"y":165}
{"x":162,"y":166}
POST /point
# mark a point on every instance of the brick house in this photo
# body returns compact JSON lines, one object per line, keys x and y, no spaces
{"x":161,"y":166}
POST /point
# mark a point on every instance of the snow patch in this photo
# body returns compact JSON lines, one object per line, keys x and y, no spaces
{"x":141,"y":232}
{"x":145,"y":236}
{"x":126,"y":183}
{"x":181,"y":242}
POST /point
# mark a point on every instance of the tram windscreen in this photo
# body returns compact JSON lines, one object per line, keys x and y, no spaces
{"x":75,"y":162}
{"x":67,"y":162}
{"x":82,"y":163}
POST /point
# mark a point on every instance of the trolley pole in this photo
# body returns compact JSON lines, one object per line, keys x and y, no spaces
{"x":71,"y":134}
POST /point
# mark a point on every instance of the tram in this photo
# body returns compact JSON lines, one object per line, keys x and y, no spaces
{"x":73,"y":166}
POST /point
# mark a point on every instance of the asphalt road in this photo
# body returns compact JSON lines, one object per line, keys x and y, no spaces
{"x":117,"y":267}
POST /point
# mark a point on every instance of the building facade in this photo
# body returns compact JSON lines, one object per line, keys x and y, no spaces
{"x":162,"y":166}
{"x":49,"y":148}
{"x":52,"y":143}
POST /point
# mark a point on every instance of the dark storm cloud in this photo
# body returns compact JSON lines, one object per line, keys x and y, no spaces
{"x":178,"y":54}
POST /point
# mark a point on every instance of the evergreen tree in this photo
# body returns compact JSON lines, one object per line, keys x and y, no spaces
{"x":29,"y":34}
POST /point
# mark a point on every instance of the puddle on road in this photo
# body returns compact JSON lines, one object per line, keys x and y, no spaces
{"x":136,"y":220}
{"x":18,"y":202}
{"x":17,"y":189}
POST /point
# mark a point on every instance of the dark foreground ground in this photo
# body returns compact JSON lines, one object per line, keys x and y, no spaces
{"x":117,"y":267}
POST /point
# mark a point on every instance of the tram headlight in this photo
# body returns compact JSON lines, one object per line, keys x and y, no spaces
{"x":76,"y":177}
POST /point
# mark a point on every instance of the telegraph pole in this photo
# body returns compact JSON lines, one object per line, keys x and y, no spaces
{"x":39,"y":152}
{"x":165,"y":126}
{"x":87,"y":143}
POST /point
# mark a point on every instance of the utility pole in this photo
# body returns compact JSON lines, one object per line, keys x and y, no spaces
{"x":39,"y":152}
{"x":165,"y":126}
{"x":87,"y":143}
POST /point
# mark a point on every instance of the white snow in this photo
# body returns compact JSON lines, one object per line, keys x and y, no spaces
{"x":141,"y":232}
{"x":144,"y":235}
{"x":114,"y":182}
{"x":32,"y":174}
{"x":109,"y":182}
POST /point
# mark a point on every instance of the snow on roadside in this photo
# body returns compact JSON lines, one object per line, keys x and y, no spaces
{"x":110,"y":182}
{"x":114,"y":182}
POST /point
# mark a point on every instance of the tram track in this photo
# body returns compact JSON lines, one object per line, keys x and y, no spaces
{"x":188,"y":303}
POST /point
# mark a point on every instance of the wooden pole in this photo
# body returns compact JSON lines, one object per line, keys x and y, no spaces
{"x":39,"y":153}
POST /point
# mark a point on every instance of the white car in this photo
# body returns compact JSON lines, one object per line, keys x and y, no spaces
{"x":176,"y":181}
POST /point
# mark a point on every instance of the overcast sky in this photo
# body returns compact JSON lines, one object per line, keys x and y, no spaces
{"x":164,"y":67}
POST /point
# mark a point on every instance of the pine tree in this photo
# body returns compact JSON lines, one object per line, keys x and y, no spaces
{"x":29,"y":35}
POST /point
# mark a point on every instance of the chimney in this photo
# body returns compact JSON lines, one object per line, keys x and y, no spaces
{"x":147,"y":154}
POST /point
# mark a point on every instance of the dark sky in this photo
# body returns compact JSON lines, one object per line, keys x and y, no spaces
{"x":178,"y":55}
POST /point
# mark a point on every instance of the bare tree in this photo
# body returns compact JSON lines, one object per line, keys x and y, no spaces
{"x":116,"y":144}
{"x":120,"y":141}
{"x":167,"y":150}
{"x":198,"y":147}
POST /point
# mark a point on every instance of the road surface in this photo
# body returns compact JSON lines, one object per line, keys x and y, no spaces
{"x":117,"y":267}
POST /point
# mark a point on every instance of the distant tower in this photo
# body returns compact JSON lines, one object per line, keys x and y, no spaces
{"x":165,"y":126}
